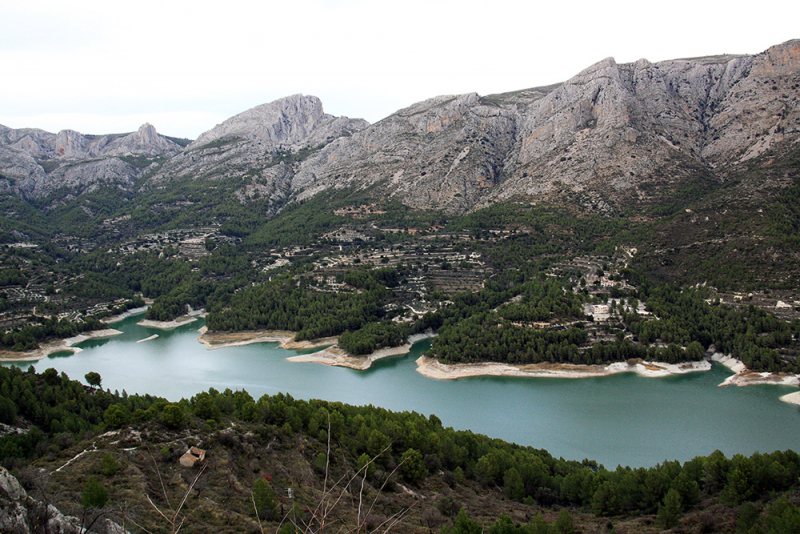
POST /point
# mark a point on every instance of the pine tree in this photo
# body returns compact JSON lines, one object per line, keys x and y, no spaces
{"x":670,"y":511}
{"x":95,"y":495}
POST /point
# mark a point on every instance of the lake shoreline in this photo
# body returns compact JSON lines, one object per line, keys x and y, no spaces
{"x":614,"y":419}
{"x":171,"y":325}
{"x":284,"y":338}
{"x":61,"y":345}
{"x":124,"y":315}
{"x":337,"y":357}
{"x":331,"y":354}
{"x":791,"y":398}
{"x":745,"y":377}
{"x":432,"y":368}
{"x":742,"y":376}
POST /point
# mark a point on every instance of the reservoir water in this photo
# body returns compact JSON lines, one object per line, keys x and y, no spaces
{"x":621,"y":419}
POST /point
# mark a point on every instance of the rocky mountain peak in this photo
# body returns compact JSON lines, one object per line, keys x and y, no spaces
{"x":779,"y":59}
{"x":144,"y":142}
{"x":147,"y":132}
{"x":289,"y":121}
{"x":267,"y":140}
{"x":74,"y":160}
{"x":601,"y":66}
{"x":604,"y":137}
{"x":601,"y":135}
{"x":71,"y":144}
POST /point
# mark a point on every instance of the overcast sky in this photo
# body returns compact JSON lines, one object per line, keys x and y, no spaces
{"x":108,"y":67}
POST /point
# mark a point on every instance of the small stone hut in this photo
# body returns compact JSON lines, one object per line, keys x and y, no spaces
{"x":192,"y":457}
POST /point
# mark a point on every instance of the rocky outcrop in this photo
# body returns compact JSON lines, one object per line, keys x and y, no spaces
{"x":443,"y":153}
{"x":72,"y":145}
{"x":19,"y":172}
{"x":615,"y":135}
{"x":144,"y":142}
{"x":260,"y":148}
{"x":21,"y":514}
{"x":35,"y":163}
{"x":611,"y":135}
{"x":291,"y":123}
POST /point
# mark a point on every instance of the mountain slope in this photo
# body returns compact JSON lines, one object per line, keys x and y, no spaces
{"x":700,"y":155}
{"x":35,"y":163}
{"x":255,"y":148}
{"x":613,"y":134}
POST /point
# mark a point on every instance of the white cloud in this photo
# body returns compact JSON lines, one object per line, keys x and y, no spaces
{"x":363,"y":58}
{"x":174,"y":124}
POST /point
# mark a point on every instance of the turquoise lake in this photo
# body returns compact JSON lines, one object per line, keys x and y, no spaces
{"x":622,"y":419}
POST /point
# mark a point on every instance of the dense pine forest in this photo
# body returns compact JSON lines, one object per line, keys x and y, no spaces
{"x":525,"y":312}
{"x":409,"y":464}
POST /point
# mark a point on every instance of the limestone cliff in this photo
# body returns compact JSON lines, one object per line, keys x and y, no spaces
{"x":260,"y":147}
{"x":613,"y":135}
{"x":35,"y":163}
{"x":21,"y":514}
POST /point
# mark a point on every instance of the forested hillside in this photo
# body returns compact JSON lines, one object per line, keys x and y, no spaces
{"x":522,"y":227}
{"x":409,"y":472}
{"x":510,"y":284}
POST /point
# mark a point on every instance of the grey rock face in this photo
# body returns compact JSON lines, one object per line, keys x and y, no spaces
{"x":601,"y":135}
{"x":144,"y":142}
{"x":10,"y":488}
{"x":19,"y":171}
{"x":34,"y":163}
{"x":611,"y":135}
{"x":244,"y":148}
{"x":87,"y":176}
{"x":290,"y":122}
{"x":443,"y":153}
{"x":72,"y":145}
{"x":21,"y":514}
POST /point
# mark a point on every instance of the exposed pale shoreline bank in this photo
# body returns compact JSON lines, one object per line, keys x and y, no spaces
{"x":330,"y":355}
{"x":432,"y":368}
{"x":335,"y":356}
{"x":122,"y":316}
{"x":285,"y":338}
{"x":47,"y":349}
{"x":791,"y":398}
{"x":745,"y":377}
{"x":171,"y":325}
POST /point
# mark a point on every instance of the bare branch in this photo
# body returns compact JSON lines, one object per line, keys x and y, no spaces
{"x":361,"y":501}
{"x":380,"y":491}
{"x":188,"y":491}
{"x":160,"y":480}
{"x":398,"y":516}
{"x":332,"y":495}
{"x":157,"y":509}
{"x":141,"y":527}
{"x":327,"y":456}
{"x":255,"y":508}
{"x":175,"y":530}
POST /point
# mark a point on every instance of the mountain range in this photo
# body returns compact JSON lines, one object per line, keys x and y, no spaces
{"x":703,"y":154}
{"x":612,"y":136}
